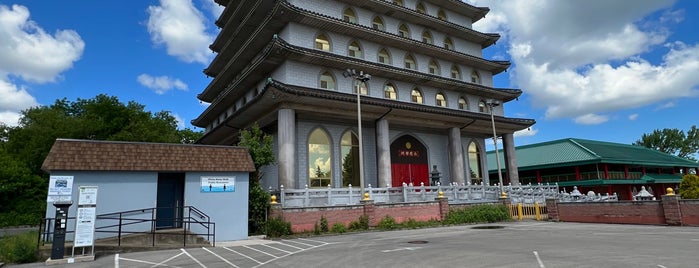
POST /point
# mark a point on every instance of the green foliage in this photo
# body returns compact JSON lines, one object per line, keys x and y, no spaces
{"x":673,"y":141}
{"x":387,"y":223}
{"x":259,"y":145}
{"x":361,"y":224}
{"x":689,"y":187}
{"x":339,"y":228}
{"x":323,"y":224}
{"x":277,"y":227}
{"x":258,"y":205}
{"x":316,"y":229}
{"x":478,"y":214}
{"x":22,"y":194}
{"x":414,"y":224}
{"x":19,"y":248}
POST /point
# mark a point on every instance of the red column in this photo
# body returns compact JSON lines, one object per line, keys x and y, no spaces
{"x":643,"y":171}
{"x":538,"y":176}
{"x":609,"y":189}
{"x":577,"y":173}
{"x":626,"y":171}
{"x":606,"y":171}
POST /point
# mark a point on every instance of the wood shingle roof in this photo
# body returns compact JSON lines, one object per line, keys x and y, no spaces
{"x":90,"y":155}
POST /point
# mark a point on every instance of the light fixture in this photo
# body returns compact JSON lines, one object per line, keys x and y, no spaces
{"x":359,"y":77}
{"x":491,"y":104}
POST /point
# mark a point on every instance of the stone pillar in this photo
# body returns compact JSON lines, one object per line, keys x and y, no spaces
{"x":443,"y":207}
{"x":275,"y":211}
{"x":369,"y":209}
{"x":508,"y":144}
{"x":383,"y":153}
{"x":286,"y":158}
{"x":552,"y":208}
{"x":456,"y":157}
{"x":671,"y":207}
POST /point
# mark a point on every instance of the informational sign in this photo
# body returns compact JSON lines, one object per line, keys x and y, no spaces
{"x":60,"y":188}
{"x":85,"y":227}
{"x":217,"y":184}
{"x":87,"y":195}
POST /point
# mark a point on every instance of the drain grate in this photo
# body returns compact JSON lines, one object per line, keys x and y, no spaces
{"x":418,"y":242}
{"x":488,"y":227}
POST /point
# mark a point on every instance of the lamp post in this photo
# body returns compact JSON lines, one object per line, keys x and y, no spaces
{"x":491,"y":104}
{"x":359,"y":77}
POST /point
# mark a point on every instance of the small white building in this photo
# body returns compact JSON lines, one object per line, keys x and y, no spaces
{"x":170,"y":181}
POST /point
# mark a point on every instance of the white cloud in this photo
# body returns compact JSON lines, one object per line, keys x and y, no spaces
{"x":633,"y":117}
{"x":161,"y":84}
{"x":179,"y":119}
{"x":31,"y":53}
{"x":666,"y":105}
{"x":578,"y":59}
{"x":182,"y":29}
{"x":527,"y":132}
{"x":214,"y":9}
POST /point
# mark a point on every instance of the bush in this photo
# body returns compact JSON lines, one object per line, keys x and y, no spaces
{"x":257,"y":208}
{"x":316,"y":229}
{"x":387,"y":223}
{"x":478,"y":214}
{"x":339,"y":228}
{"x":277,"y":227}
{"x":414,"y":224}
{"x":361,"y":224}
{"x":324,"y":224}
{"x":19,"y":248}
{"x":689,"y":187}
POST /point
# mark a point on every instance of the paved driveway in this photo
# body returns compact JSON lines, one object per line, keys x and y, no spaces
{"x":514,"y":244}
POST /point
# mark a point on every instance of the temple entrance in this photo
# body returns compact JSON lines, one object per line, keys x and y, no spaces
{"x":409,"y":162}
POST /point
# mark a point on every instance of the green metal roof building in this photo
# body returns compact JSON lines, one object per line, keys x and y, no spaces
{"x":596,"y":166}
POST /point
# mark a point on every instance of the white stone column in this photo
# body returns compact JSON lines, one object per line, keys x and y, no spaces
{"x":383,"y":153}
{"x":508,"y":144}
{"x":456,"y":156}
{"x":286,"y":158}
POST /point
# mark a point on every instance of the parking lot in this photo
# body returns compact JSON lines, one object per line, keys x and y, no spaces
{"x":512,"y":244}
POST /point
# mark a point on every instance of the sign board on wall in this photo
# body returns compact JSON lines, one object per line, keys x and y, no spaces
{"x":85,"y":219}
{"x":60,"y":188}
{"x":217,"y":184}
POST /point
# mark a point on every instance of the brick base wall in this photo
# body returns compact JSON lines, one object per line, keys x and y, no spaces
{"x":689,"y":212}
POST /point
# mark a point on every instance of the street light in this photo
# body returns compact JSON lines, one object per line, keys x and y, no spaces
{"x":359,"y":77}
{"x":491,"y":104}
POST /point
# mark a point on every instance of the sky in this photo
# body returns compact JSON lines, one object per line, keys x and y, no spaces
{"x":595,"y":69}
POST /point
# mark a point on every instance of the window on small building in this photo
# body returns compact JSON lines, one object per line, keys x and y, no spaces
{"x":384,"y":57}
{"x":481,"y":106}
{"x":322,"y":42}
{"x":427,"y":37}
{"x":353,"y":50}
{"x":420,"y":8}
{"x":433,"y":67}
{"x":455,"y":73}
{"x":416,"y":96}
{"x":398,"y":2}
{"x":349,"y":16}
{"x":441,"y":15}
{"x":475,"y":78}
{"x":389,"y":91}
{"x":440,"y":100}
{"x":377,"y":23}
{"x":403,"y":31}
{"x":327,"y":81}
{"x":463,"y":104}
{"x":410,"y":62}
{"x":448,"y":44}
{"x":319,"y":159}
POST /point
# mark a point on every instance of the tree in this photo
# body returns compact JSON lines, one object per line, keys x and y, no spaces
{"x":689,"y":187}
{"x":347,"y":170}
{"x":673,"y":141}
{"x":259,"y":146}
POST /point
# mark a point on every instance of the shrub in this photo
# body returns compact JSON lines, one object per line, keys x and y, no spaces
{"x":323,"y":224}
{"x":387,"y":223}
{"x":19,"y":248}
{"x":316,"y":229}
{"x":361,"y":224}
{"x":339,"y":228}
{"x":277,"y":227}
{"x":414,"y":224}
{"x":478,"y":214}
{"x":257,"y":208}
{"x":689,"y":187}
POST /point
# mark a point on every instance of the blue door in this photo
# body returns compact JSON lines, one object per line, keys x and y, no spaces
{"x":170,"y":200}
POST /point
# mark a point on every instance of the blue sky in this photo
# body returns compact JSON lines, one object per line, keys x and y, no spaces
{"x":602,"y":70}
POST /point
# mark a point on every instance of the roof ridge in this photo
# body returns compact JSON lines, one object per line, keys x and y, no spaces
{"x":146,"y":143}
{"x":584,"y":148}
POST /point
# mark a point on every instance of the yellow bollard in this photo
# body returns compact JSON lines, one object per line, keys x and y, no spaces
{"x":670,"y":191}
{"x":440,"y":194}
{"x":520,"y":213}
{"x":538,"y":213}
{"x":366,"y":196}
{"x":274,"y":199}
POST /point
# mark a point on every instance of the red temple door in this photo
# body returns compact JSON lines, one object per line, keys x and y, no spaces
{"x":408,"y":162}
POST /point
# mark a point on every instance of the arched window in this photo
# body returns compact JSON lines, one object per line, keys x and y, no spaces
{"x":362,"y":88}
{"x":427,"y":37}
{"x":384,"y":57}
{"x":440,"y":100}
{"x":389,"y":91}
{"x":353,"y":50}
{"x":463,"y":104}
{"x":448,"y":44}
{"x":481,"y":106}
{"x":455,"y":73}
{"x":322,"y":42}
{"x":410,"y":62}
{"x":349,"y":150}
{"x":327,"y":81}
{"x":441,"y":15}
{"x":377,"y":23}
{"x":416,"y":96}
{"x":433,"y":67}
{"x":319,"y":159}
{"x":349,"y":16}
{"x":475,"y":78}
{"x":474,"y":163}
{"x":403,"y":31}
{"x":420,"y":8}
{"x":398,"y":2}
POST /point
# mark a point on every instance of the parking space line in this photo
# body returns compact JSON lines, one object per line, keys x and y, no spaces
{"x":297,"y":242}
{"x":290,"y":246}
{"x":162,"y":262}
{"x":314,"y":241}
{"x":241,"y":254}
{"x":223,"y":259}
{"x":190,"y":256}
{"x":541,"y":264}
{"x":144,"y":262}
{"x":289,"y":252}
{"x":260,"y":251}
